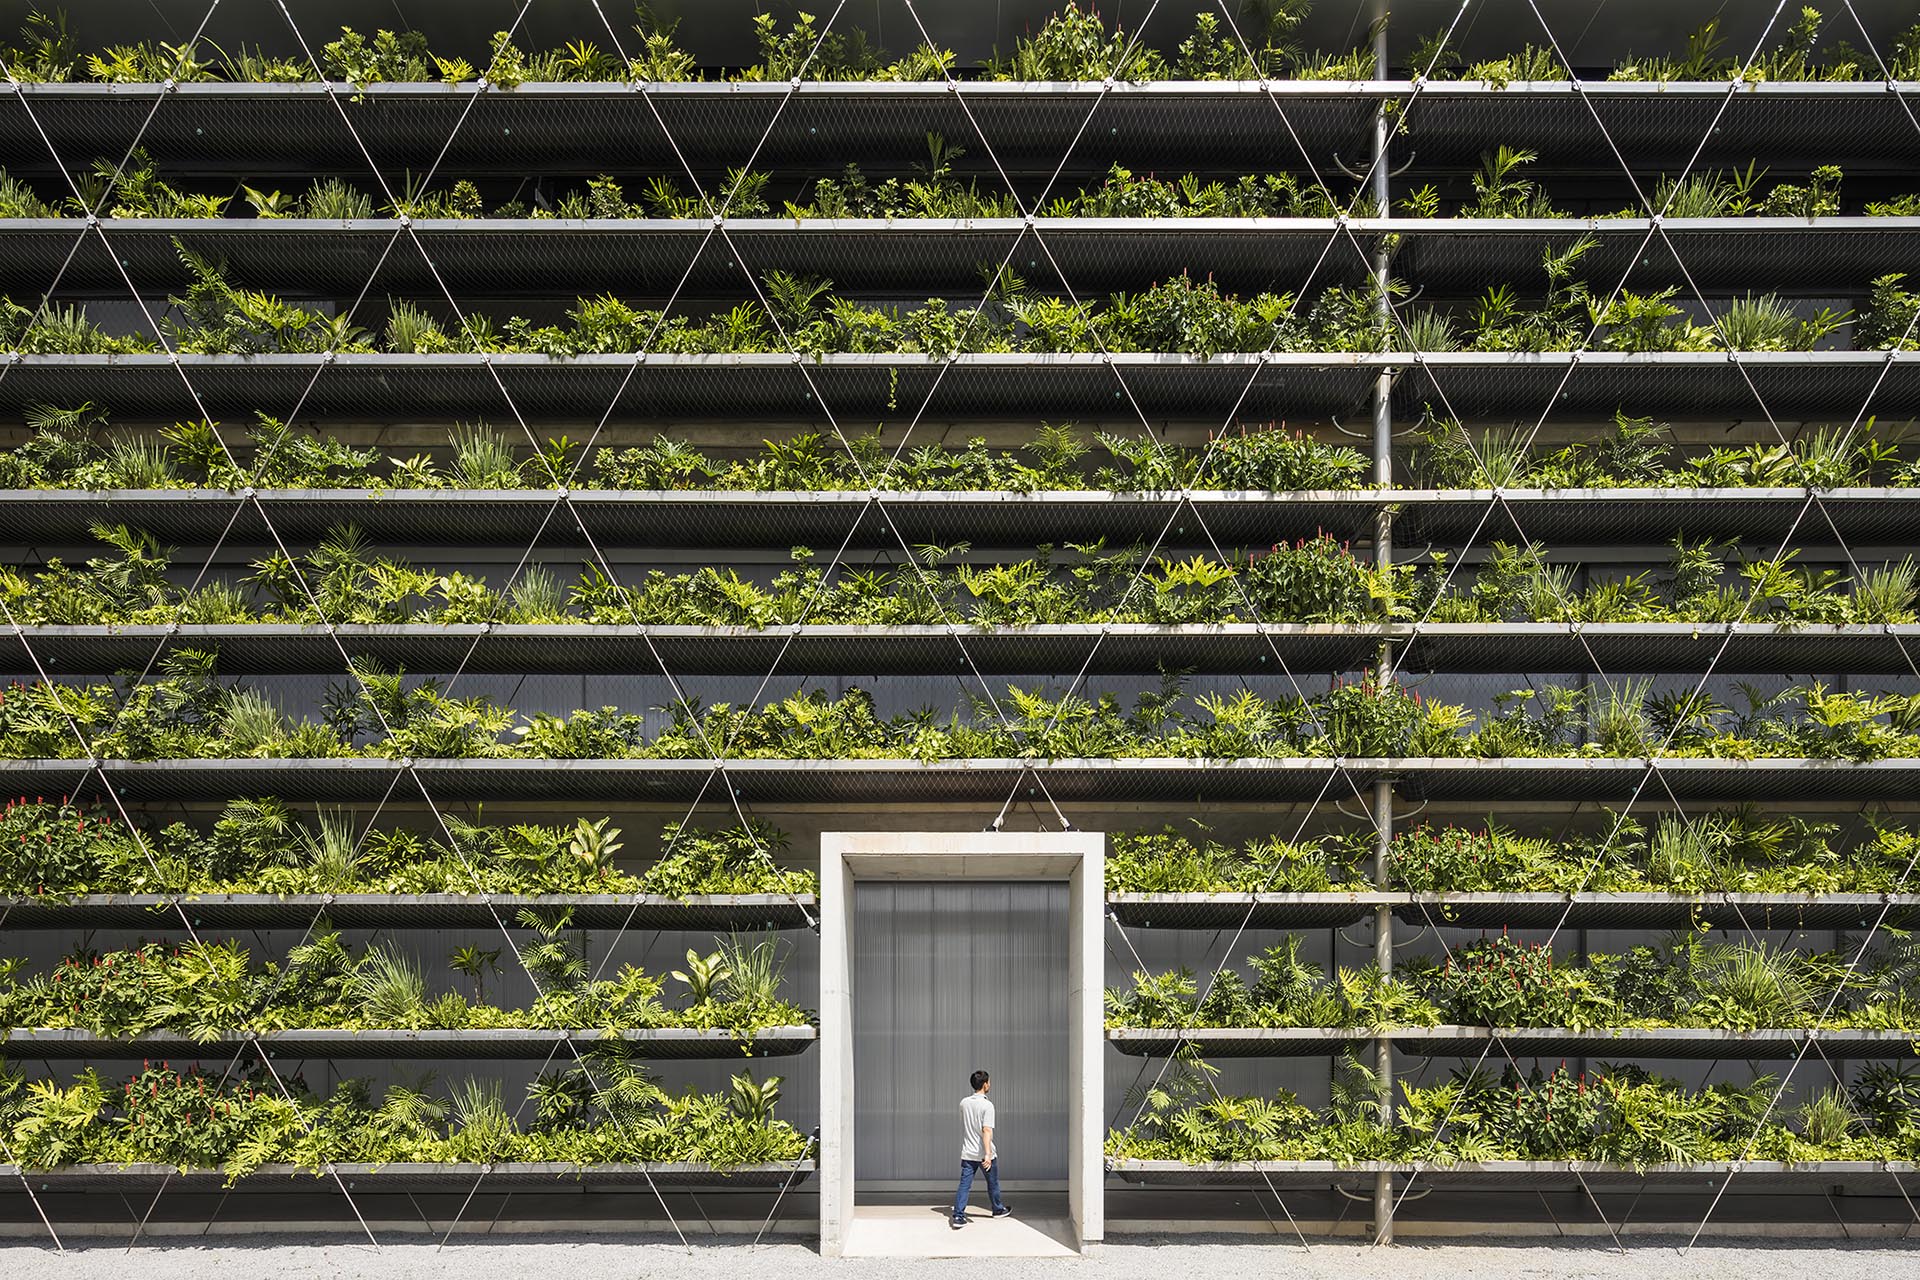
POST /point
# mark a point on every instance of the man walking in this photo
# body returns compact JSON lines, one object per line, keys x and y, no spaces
{"x":976,"y":1149}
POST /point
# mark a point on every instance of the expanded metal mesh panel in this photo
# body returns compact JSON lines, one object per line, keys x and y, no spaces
{"x":1527,"y":1042}
{"x":393,"y":388}
{"x":1673,"y":385}
{"x":1623,"y":648}
{"x":1656,"y":127}
{"x":664,"y":1043}
{"x":1781,"y":255}
{"x":1651,"y":516}
{"x":831,"y":781}
{"x":1659,"y":911}
{"x":1685,"y":779}
{"x":416,"y":1177}
{"x":1234,"y":1042}
{"x":222,"y":127}
{"x":266,"y":649}
{"x":744,"y":912}
{"x":1280,"y":1174}
{"x":1231,"y":910}
{"x":1753,"y":1175}
{"x":1518,"y":1042}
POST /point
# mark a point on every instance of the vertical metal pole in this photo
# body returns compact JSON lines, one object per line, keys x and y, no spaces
{"x":1383,"y":556}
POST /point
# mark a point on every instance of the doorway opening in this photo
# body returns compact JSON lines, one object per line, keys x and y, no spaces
{"x":941,"y":953}
{"x":956,"y":975}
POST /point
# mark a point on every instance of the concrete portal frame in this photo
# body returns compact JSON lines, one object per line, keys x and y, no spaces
{"x":1077,"y":857}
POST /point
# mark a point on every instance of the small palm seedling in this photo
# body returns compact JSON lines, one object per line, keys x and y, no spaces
{"x":473,"y":963}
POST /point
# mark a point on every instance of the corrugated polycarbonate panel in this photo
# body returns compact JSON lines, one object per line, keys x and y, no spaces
{"x":947,"y":978}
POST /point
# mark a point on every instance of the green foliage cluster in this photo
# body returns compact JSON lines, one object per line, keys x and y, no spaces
{"x":1502,"y":189}
{"x":1620,"y":1115}
{"x":187,"y":712}
{"x":1741,"y":850}
{"x":210,"y":989}
{"x":1285,"y":991}
{"x":1639,"y":453}
{"x":1497,"y":981}
{"x":75,"y":448}
{"x":1169,"y":861}
{"x":344,"y":580}
{"x":248,"y":1117}
{"x":262,"y":845}
{"x":1317,"y":580}
{"x":1073,"y":45}
{"x":1796,"y":53}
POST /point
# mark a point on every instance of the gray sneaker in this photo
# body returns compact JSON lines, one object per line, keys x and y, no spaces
{"x":1004,"y":1211}
{"x":956,"y":1223}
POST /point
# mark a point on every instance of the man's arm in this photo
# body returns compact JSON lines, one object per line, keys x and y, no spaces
{"x":986,"y":1145}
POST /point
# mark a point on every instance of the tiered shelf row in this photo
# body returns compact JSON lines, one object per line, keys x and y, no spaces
{"x":918,"y":257}
{"x":773,"y":387}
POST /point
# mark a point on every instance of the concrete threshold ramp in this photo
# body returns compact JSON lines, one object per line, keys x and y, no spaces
{"x":921,"y":1231}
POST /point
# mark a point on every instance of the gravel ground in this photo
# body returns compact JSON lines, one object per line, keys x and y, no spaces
{"x":269,"y":1259}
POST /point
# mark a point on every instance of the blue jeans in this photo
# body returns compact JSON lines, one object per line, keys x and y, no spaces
{"x":967,"y":1169}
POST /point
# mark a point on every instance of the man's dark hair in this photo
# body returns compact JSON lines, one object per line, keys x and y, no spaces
{"x":977,"y":1079}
